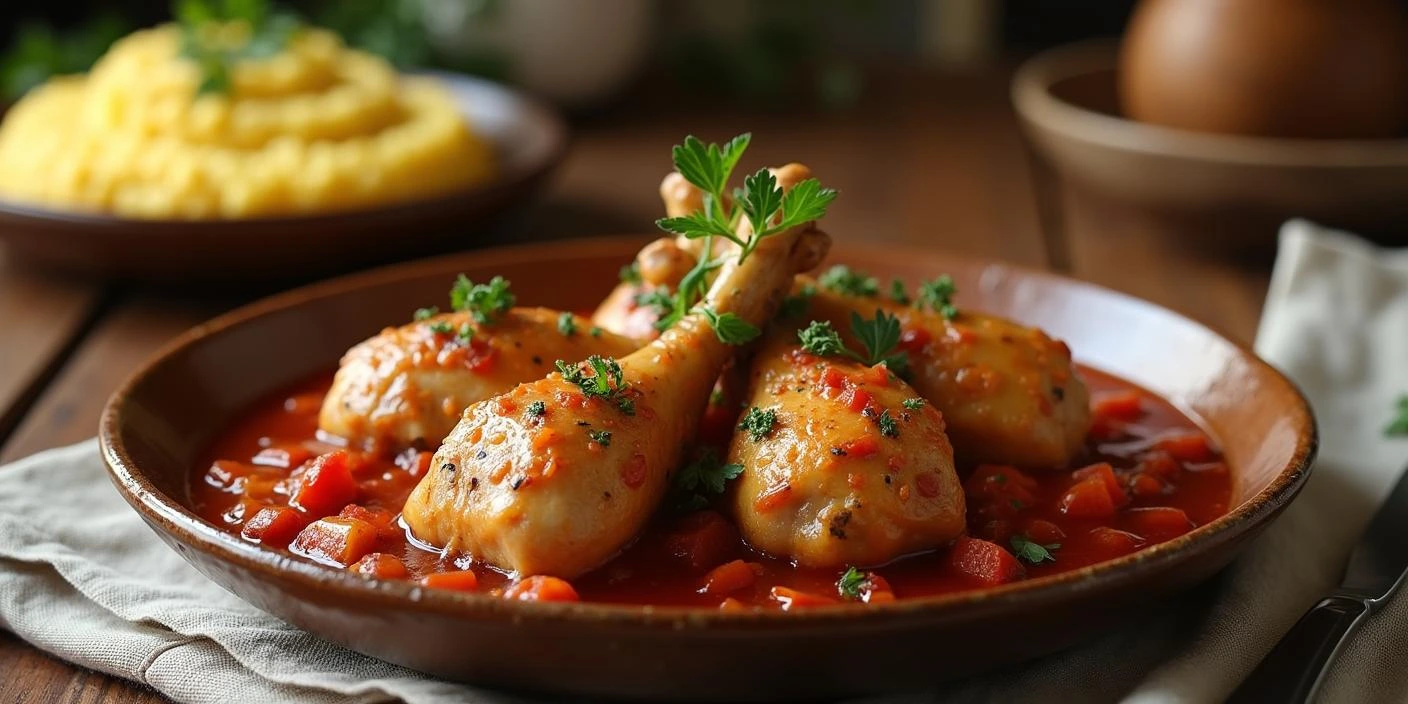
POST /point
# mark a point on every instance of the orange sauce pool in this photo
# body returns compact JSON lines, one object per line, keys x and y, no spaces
{"x":1164,"y":477}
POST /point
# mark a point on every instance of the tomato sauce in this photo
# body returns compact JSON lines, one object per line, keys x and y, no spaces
{"x":1147,"y":474}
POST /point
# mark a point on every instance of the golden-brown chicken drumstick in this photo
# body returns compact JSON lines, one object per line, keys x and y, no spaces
{"x":408,"y":385}
{"x":843,"y":464}
{"x":556,"y":476}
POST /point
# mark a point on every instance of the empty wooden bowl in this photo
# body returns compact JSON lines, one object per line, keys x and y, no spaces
{"x":1069,"y":108}
{"x":159,"y":423}
{"x":529,"y":140}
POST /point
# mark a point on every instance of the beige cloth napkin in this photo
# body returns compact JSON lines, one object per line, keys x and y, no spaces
{"x":82,"y":577}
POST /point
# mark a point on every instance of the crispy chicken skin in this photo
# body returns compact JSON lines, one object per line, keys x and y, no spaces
{"x":531,"y":482}
{"x":1009,"y":394}
{"x":409,"y":384}
{"x":848,"y":474}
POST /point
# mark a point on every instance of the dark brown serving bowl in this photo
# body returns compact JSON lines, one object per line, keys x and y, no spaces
{"x":157,"y":424}
{"x":529,"y":139}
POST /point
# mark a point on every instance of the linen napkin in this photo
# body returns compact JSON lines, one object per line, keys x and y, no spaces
{"x":82,"y":577}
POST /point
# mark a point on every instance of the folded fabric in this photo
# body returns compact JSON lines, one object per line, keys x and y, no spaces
{"x":81,"y":576}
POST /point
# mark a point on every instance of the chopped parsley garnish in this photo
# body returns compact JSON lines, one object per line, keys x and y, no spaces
{"x":1035,"y":553}
{"x":898,"y":293}
{"x":937,"y":295}
{"x":426,"y":313}
{"x":600,"y":437}
{"x":889,"y":427}
{"x":567,"y":324}
{"x":880,"y":336}
{"x":537,"y":409}
{"x":913,"y":404}
{"x":729,"y":328}
{"x":442,"y":327}
{"x":630,"y":274}
{"x":762,"y":201}
{"x":796,"y":304}
{"x":822,"y":340}
{"x":485,"y":302}
{"x":758,"y":422}
{"x":851,"y":585}
{"x":595,"y":331}
{"x":606,"y":382}
{"x":704,"y":477}
{"x":466,"y":332}
{"x":1399,"y":426}
{"x":843,"y":280}
{"x":269,"y":33}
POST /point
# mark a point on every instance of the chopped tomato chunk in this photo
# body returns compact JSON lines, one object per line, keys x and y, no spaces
{"x":876,"y":590}
{"x":337,"y":540}
{"x":1001,"y":484}
{"x":857,"y":399}
{"x":1120,"y":405}
{"x":703,"y":540}
{"x":1114,"y":543}
{"x":985,"y":563}
{"x":1158,"y":523}
{"x":324,"y":486}
{"x":1146,"y":485}
{"x":382,"y":519}
{"x":1106,"y":473}
{"x":863,"y":446}
{"x":791,"y":599}
{"x":1088,"y":498}
{"x":274,"y":525}
{"x":1044,"y":532}
{"x":1186,"y":447}
{"x":731,"y":577}
{"x":455,"y":580}
{"x":1159,"y":464}
{"x":381,"y":566}
{"x":541,"y":588}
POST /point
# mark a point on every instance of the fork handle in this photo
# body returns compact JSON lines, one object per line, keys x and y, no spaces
{"x":1294,"y":669}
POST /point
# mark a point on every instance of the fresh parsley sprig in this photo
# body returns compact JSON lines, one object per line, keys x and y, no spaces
{"x":729,"y":328}
{"x":1399,"y":425}
{"x":758,"y":423}
{"x":269,"y":33}
{"x":706,"y":476}
{"x":880,"y":336}
{"x":849,"y":282}
{"x":485,"y":302}
{"x":607,"y":382}
{"x":1030,"y":551}
{"x":851,"y":585}
{"x":937,"y":295}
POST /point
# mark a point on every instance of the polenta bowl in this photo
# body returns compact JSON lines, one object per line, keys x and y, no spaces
{"x":247,"y":148}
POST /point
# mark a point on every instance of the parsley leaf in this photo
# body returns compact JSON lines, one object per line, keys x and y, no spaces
{"x":442,"y":327}
{"x":806,"y":201}
{"x":607,"y":382}
{"x":567,"y":324}
{"x":483,"y":301}
{"x":708,"y":166}
{"x":898,"y":293}
{"x":706,"y":475}
{"x":937,"y":295}
{"x":269,"y":33}
{"x":630,"y":274}
{"x":1032,"y":552}
{"x":851,"y":585}
{"x":758,"y":422}
{"x":537,"y":409}
{"x":761,"y":199}
{"x":913,"y":404}
{"x":426,"y":313}
{"x":657,"y":298}
{"x":595,"y":331}
{"x":822,"y":340}
{"x":1399,"y":426}
{"x":889,"y":427}
{"x":729,"y":328}
{"x":696,"y":225}
{"x":466,"y":332}
{"x":600,"y":437}
{"x":880,"y":337}
{"x":843,"y":280}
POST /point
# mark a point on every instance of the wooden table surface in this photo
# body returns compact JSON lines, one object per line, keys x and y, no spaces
{"x":931,"y":160}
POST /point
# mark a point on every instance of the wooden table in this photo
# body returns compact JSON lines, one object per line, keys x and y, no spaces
{"x":930,"y":160}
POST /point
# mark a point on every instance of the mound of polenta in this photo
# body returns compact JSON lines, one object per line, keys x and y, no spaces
{"x":314,"y":128}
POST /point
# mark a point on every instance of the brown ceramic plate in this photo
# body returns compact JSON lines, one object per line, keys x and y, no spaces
{"x":1068,"y":103}
{"x":158,"y":423}
{"x":529,"y":139}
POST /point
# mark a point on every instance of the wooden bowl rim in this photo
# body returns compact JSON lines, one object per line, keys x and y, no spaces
{"x":178,"y":521}
{"x":1031,"y":95}
{"x":553,"y":130}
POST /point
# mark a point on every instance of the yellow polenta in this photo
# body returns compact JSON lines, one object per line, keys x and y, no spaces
{"x":317,"y":127}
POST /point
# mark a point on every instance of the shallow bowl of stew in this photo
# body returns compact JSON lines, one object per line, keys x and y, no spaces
{"x":1255,"y":438}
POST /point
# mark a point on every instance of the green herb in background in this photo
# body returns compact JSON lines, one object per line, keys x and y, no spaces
{"x":39,"y":52}
{"x":270,"y":31}
{"x":1399,"y":425}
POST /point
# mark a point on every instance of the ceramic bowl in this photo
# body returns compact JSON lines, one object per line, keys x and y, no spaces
{"x":1069,"y":108}
{"x":157,"y":425}
{"x":529,"y":139}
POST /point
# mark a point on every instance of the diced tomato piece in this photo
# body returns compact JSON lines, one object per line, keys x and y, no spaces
{"x":455,"y":580}
{"x":703,"y":540}
{"x":732,"y":604}
{"x":1044,"y":532}
{"x":997,"y":530}
{"x":1000,"y":483}
{"x":282,"y":456}
{"x":1088,"y":498}
{"x":1120,"y":405}
{"x":274,"y":525}
{"x":983,"y":562}
{"x":832,"y":377}
{"x":1186,"y":447}
{"x":381,"y":566}
{"x":861,"y":447}
{"x":914,"y":339}
{"x":1157,"y":523}
{"x":1106,"y":473}
{"x":384,"y":520}
{"x":542,"y":588}
{"x":857,"y":399}
{"x":325,"y":485}
{"x":1160,"y":464}
{"x":731,"y":577}
{"x":876,"y":590}
{"x":791,"y":599}
{"x":336,"y":540}
{"x":1146,"y":486}
{"x":878,"y":375}
{"x":1114,"y":543}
